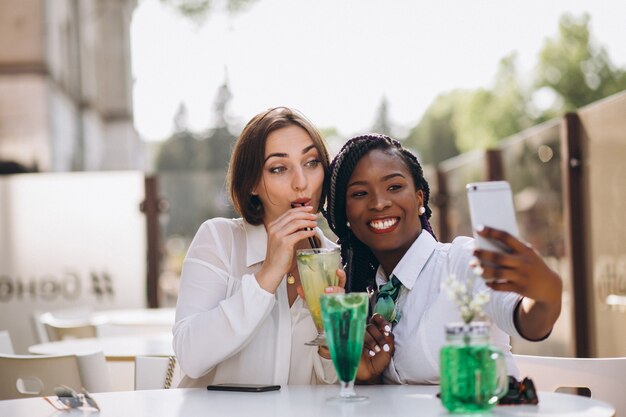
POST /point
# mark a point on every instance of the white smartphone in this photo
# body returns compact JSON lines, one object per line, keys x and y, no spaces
{"x":491,"y":204}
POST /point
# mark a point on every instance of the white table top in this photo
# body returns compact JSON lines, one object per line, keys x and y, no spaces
{"x":301,"y":401}
{"x":114,"y":348}
{"x":136,"y":317}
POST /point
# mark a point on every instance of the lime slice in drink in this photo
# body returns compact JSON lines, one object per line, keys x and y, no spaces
{"x":305,"y":259}
{"x":353,"y":300}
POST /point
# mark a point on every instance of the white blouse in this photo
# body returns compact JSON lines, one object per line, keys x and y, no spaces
{"x":230,"y":330}
{"x":426,"y":308}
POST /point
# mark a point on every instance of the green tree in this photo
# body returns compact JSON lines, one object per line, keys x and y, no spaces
{"x":577,"y":69}
{"x":179,"y":152}
{"x":199,"y":10}
{"x":382,"y":124}
{"x":434,"y":137}
{"x":486,"y":116}
{"x":215,"y":145}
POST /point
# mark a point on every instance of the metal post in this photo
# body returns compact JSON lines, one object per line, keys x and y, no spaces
{"x":441,"y":202}
{"x":495,"y":170}
{"x":571,"y":167}
{"x":150,"y":207}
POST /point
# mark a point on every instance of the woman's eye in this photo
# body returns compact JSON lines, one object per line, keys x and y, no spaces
{"x":277,"y":170}
{"x":313,"y":163}
{"x":358,"y":194}
{"x":394,"y":187}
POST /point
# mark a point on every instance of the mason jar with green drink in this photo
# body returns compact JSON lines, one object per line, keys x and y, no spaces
{"x":473,"y":373}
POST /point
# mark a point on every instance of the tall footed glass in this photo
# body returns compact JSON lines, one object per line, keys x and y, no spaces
{"x":318,"y":270}
{"x":344,"y":317}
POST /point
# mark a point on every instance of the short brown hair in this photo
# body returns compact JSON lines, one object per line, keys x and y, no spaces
{"x":248,"y":157}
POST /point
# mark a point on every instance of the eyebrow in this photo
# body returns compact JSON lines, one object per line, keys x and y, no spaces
{"x":284,"y":155}
{"x":385,"y":178}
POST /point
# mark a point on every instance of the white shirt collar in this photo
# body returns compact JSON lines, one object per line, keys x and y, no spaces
{"x":256,"y":242}
{"x":413,"y":261}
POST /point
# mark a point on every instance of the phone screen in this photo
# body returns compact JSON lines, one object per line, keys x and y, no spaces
{"x":243,"y":387}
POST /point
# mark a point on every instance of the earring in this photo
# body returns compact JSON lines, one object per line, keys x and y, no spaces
{"x":421,"y":210}
{"x":348,"y":224}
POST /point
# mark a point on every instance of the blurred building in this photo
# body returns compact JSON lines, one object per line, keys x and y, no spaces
{"x":66,"y":85}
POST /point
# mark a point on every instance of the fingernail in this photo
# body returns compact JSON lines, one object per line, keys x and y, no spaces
{"x":376,"y":348}
{"x":372,"y":353}
{"x":387,"y":328}
{"x":480,"y":227}
{"x":478,"y":270}
{"x":328,"y":290}
{"x":386,"y":347}
{"x":386,"y":334}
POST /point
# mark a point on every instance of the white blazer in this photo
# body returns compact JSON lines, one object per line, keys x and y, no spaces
{"x":230,"y":330}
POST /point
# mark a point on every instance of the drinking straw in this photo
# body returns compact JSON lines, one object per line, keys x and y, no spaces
{"x":311,"y":240}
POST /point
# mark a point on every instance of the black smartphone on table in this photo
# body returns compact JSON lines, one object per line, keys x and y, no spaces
{"x":243,"y":387}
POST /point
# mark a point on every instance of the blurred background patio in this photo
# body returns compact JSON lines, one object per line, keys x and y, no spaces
{"x":117,"y":119}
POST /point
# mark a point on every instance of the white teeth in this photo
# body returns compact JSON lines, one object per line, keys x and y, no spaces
{"x":383,"y":224}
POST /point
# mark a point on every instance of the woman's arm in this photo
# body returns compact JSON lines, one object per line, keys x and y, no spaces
{"x":522,"y":270}
{"x":210,"y":327}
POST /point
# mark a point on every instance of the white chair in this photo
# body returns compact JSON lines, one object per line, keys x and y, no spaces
{"x":25,"y":376}
{"x":152,"y":372}
{"x":604,"y":377}
{"x":5,"y":342}
{"x":58,"y":328}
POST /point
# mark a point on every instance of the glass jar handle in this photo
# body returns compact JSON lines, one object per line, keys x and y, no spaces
{"x":503,"y":379}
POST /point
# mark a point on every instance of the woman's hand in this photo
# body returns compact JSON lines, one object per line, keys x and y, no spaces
{"x":339,"y":289}
{"x":522,"y":270}
{"x":341,"y":285}
{"x":378,"y":349}
{"x":282,"y":236}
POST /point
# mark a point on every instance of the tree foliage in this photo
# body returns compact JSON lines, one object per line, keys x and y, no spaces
{"x":571,"y":65}
{"x":187,"y":151}
{"x":487,"y":115}
{"x":576,"y":68}
{"x":434,"y":137}
{"x":199,"y":10}
{"x":382,"y":124}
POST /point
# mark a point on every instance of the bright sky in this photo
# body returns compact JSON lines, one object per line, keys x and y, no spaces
{"x":335,"y":59}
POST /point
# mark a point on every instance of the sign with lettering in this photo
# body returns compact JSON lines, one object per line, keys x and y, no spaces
{"x":70,"y":241}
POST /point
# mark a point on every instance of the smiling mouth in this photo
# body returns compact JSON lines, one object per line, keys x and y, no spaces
{"x":386,"y":225}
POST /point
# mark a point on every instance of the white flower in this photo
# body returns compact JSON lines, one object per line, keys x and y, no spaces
{"x":462,"y":294}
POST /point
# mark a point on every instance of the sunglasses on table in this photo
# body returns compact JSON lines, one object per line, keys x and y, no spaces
{"x":520,"y":392}
{"x":67,"y":399}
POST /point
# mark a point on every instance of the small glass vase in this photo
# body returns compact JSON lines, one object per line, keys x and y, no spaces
{"x":473,"y":373}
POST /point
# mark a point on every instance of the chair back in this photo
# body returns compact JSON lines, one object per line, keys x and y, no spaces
{"x":604,"y":377}
{"x":25,"y":376}
{"x":5,"y":342}
{"x":67,"y":328}
{"x":152,"y":372}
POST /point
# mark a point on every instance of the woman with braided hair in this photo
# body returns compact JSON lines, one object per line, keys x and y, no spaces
{"x":377,"y":204}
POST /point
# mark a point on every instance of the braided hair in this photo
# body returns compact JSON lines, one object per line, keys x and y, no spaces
{"x":361,"y":264}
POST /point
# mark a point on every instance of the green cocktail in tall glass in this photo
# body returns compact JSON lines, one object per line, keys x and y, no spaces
{"x":318,"y":270}
{"x":344,"y":317}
